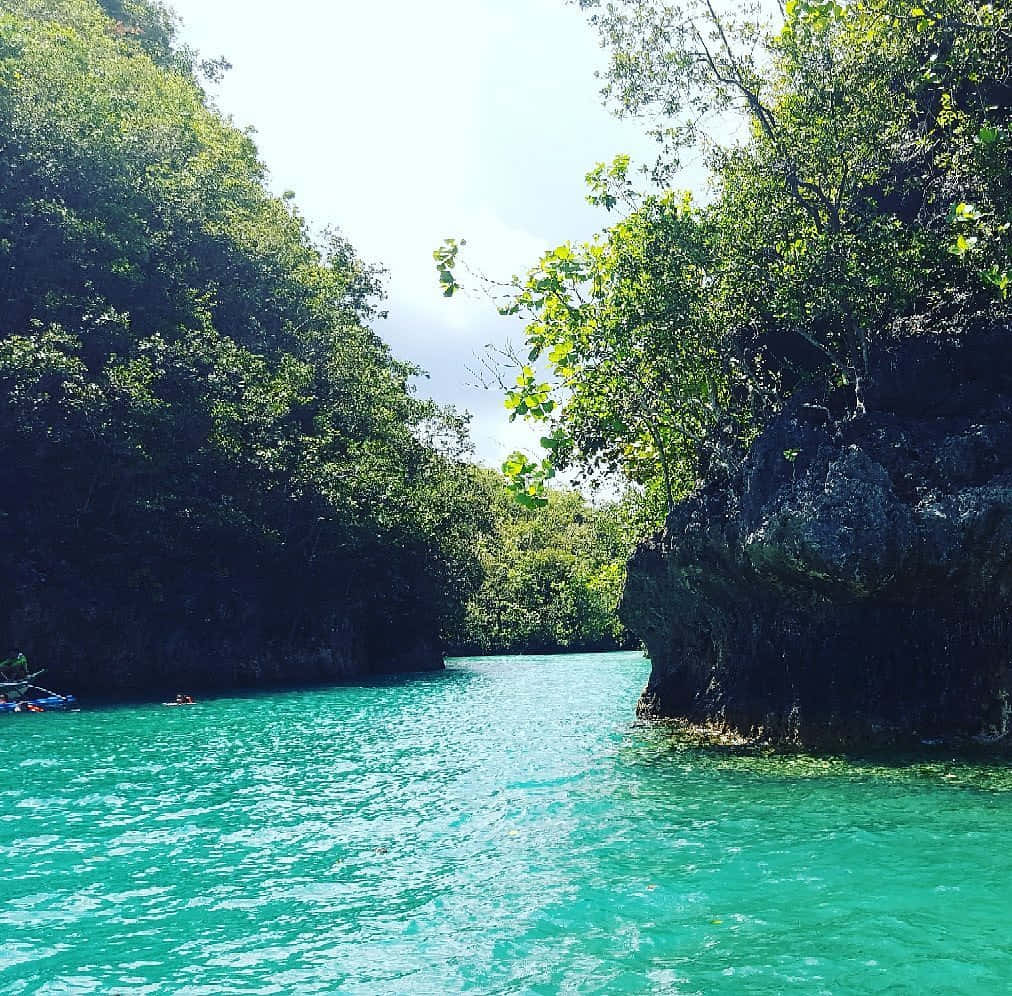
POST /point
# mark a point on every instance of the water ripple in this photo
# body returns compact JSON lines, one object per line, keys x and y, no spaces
{"x":500,"y":828}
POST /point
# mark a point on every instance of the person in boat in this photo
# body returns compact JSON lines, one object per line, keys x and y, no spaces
{"x":184,"y":699}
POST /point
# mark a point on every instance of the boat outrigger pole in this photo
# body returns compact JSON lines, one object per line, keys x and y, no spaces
{"x":15,"y":687}
{"x":20,"y":693}
{"x":26,"y":680}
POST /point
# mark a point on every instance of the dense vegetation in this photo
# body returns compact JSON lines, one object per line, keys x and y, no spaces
{"x":212,"y":468}
{"x":551,"y":575}
{"x":206,"y":449}
{"x":210,"y":455}
{"x":863,"y":194}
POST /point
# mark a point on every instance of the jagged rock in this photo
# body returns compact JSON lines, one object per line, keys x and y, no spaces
{"x":851,"y":582}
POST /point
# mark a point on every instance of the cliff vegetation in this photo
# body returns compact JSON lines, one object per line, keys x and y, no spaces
{"x":213,"y":471}
{"x":848,"y":269}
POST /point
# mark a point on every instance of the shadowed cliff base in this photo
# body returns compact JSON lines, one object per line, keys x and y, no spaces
{"x":850,"y":581}
{"x":109,"y":640}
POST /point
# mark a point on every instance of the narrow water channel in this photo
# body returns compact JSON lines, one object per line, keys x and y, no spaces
{"x":504,"y":827}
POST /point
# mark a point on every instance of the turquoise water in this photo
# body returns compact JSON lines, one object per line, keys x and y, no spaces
{"x":500,"y":828}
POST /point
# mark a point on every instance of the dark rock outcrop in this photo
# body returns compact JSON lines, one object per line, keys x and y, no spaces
{"x":192,"y":631}
{"x":851,"y":581}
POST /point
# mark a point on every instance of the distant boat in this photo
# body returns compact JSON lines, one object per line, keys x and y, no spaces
{"x":19,"y":693}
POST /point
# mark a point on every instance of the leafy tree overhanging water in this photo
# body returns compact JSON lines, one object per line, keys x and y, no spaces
{"x":865,"y":195}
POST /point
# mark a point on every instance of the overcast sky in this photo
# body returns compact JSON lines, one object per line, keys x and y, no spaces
{"x":407,"y":121}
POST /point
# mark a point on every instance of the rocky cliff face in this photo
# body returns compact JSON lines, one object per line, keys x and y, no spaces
{"x":198,"y":633}
{"x":852,"y":579}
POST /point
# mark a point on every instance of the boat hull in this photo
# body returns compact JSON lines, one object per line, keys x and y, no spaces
{"x":48,"y":703}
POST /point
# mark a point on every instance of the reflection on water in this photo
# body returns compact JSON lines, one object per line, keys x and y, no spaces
{"x":503,"y":827}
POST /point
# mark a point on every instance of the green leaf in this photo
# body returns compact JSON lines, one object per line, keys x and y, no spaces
{"x":560,"y":352}
{"x":988,"y":135}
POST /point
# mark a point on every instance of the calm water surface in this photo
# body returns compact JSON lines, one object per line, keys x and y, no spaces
{"x":500,"y":828}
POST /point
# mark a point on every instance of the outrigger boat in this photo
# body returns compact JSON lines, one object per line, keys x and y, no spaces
{"x":19,"y":693}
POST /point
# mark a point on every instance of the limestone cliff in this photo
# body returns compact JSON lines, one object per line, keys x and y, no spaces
{"x":851,"y":579}
{"x":192,"y":631}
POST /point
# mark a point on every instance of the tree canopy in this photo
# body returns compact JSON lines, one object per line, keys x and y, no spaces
{"x":551,"y":575}
{"x":196,"y":417}
{"x":859,"y":155}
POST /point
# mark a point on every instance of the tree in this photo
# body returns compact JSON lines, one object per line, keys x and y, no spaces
{"x":552,"y":575}
{"x":624,"y":326}
{"x":200,"y":429}
{"x":864,"y":194}
{"x":869,"y":124}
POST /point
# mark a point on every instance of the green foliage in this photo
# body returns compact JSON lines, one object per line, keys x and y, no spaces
{"x":527,"y":480}
{"x":446,"y":259}
{"x":14,"y":667}
{"x":622,"y":325}
{"x":553,"y":575}
{"x":192,"y":403}
{"x":149,"y":23}
{"x":608,"y":184}
{"x":866,"y":191}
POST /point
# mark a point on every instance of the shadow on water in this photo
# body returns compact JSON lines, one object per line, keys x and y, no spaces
{"x":442,"y":678}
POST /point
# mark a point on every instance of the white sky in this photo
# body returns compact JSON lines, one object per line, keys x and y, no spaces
{"x":406,"y":121}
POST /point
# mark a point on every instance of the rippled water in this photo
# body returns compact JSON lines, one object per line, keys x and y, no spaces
{"x":500,"y":828}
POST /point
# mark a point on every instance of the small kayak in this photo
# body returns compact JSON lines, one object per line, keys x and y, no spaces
{"x":49,"y":703}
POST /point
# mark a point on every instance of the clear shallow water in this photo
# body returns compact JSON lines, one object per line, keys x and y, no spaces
{"x":500,"y":828}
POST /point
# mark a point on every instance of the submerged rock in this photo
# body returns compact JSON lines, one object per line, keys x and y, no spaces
{"x":851,"y":581}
